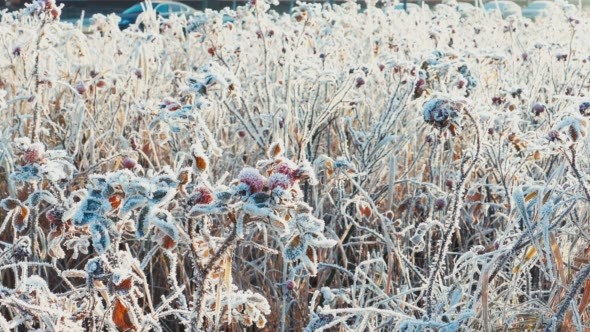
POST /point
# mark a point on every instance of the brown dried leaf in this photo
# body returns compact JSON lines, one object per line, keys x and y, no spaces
{"x":558,"y":259}
{"x":10,"y":204}
{"x":20,"y":219}
{"x":168,"y":242}
{"x":184,"y":177}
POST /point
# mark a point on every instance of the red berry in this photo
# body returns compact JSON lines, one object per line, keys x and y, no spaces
{"x":553,"y":135}
{"x":360,"y":82}
{"x":497,"y":100}
{"x":129,"y":163}
{"x":34,"y":154}
{"x":539,"y":108}
{"x":285,"y":168}
{"x":440,"y":203}
{"x":290,"y":285}
{"x":80,"y":87}
{"x":252,"y":178}
{"x":449,"y":183}
{"x":54,"y":215}
{"x":201,"y":195}
{"x":278,"y":180}
{"x":419,"y":88}
{"x":461,"y":84}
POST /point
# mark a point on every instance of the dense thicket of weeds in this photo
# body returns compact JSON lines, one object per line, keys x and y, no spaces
{"x":331,"y":169}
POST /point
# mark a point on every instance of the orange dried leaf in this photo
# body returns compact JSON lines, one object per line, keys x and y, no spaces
{"x":329,"y":165}
{"x":530,"y":253}
{"x":201,"y":163}
{"x":125,"y":284}
{"x":275,"y":150}
{"x":115,"y":201}
{"x":24,"y":212}
{"x":122,"y":317}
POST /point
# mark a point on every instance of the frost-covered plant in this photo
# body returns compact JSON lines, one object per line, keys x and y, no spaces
{"x":432,"y":172}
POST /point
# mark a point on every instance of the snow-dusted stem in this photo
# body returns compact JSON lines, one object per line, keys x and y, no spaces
{"x":585,"y":272}
{"x":579,"y":177}
{"x":37,"y":108}
{"x":202,"y":272}
{"x":452,"y":223}
{"x":582,"y":276}
{"x":284,"y":303}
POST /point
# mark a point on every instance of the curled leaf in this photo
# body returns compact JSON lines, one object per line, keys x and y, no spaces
{"x":20,"y":219}
{"x":143,"y":223}
{"x":184,"y":177}
{"x":295,"y":248}
{"x":10,"y":204}
{"x":132,"y":203}
{"x":101,"y":239}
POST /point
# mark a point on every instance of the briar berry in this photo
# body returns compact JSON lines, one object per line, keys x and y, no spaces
{"x":129,"y":163}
